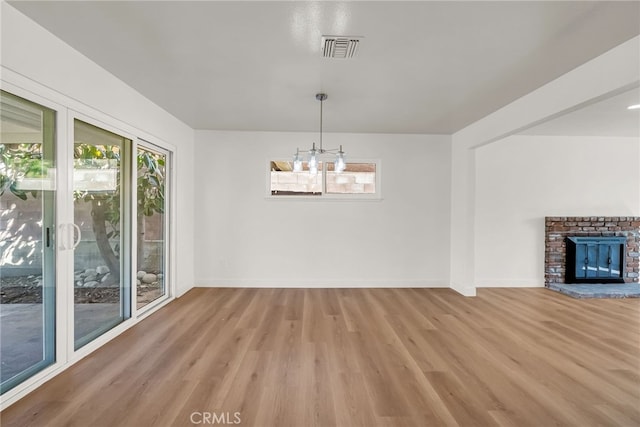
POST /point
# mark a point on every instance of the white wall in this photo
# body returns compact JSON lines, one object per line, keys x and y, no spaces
{"x":521,"y":179}
{"x":614,"y":71}
{"x":246,"y":239}
{"x":32,"y":56}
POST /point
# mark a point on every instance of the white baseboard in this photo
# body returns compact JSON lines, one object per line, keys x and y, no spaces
{"x":509,"y":283}
{"x":464,"y":290}
{"x":323,"y":283}
{"x":362,"y":283}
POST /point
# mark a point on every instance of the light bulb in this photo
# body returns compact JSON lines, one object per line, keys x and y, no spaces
{"x":313,"y":161}
{"x":339,"y":164}
{"x":297,"y":163}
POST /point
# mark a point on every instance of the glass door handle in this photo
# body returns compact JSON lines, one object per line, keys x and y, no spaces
{"x":61,"y":233}
{"x":69,"y":235}
{"x":77,"y":242}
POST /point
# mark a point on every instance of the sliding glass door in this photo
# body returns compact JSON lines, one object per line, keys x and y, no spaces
{"x":101,"y":182}
{"x":74,"y":259}
{"x":27,"y":248}
{"x":153,"y":167}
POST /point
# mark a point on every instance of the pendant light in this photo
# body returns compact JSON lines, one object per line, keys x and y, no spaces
{"x":313,"y":161}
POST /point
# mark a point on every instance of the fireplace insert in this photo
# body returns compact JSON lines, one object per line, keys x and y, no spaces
{"x":595,"y":259}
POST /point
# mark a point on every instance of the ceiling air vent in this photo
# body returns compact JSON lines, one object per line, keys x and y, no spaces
{"x":341,"y":47}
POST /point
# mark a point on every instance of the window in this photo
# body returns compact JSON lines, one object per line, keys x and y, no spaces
{"x":358,"y":180}
{"x":27,"y":248}
{"x":286,"y":182}
{"x":153,"y":175}
{"x":101,"y":193}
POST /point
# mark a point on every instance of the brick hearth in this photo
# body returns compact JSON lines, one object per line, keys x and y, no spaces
{"x":557,"y":229}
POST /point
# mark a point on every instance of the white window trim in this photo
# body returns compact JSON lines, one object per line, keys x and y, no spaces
{"x":374,"y":197}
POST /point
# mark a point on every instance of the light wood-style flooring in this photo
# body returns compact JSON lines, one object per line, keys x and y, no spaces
{"x":357,"y":357}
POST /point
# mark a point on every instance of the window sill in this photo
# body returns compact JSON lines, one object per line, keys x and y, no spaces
{"x":326,"y":198}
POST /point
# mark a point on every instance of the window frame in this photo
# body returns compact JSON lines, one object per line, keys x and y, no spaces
{"x":377,"y":196}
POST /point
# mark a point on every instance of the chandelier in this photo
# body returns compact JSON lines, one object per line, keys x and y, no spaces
{"x":316,"y":152}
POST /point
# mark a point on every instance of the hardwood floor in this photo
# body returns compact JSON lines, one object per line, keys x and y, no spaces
{"x":357,"y":357}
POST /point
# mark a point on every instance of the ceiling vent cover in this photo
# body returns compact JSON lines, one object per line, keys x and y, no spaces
{"x":340,"y":47}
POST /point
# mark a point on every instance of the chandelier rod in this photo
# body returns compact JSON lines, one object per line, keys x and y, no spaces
{"x":321,"y":97}
{"x":321,"y":102}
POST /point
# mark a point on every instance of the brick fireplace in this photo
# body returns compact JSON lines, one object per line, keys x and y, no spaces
{"x":558,"y":229}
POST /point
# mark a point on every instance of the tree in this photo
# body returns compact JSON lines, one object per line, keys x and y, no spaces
{"x":105,"y":206}
{"x":150,"y":191}
{"x":19,"y":161}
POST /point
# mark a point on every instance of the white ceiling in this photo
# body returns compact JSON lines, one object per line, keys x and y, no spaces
{"x":423,"y":67}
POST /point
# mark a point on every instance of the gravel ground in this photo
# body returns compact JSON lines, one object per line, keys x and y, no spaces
{"x":27,"y":290}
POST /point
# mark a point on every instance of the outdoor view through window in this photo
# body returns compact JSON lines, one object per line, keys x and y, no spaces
{"x":357,"y":178}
